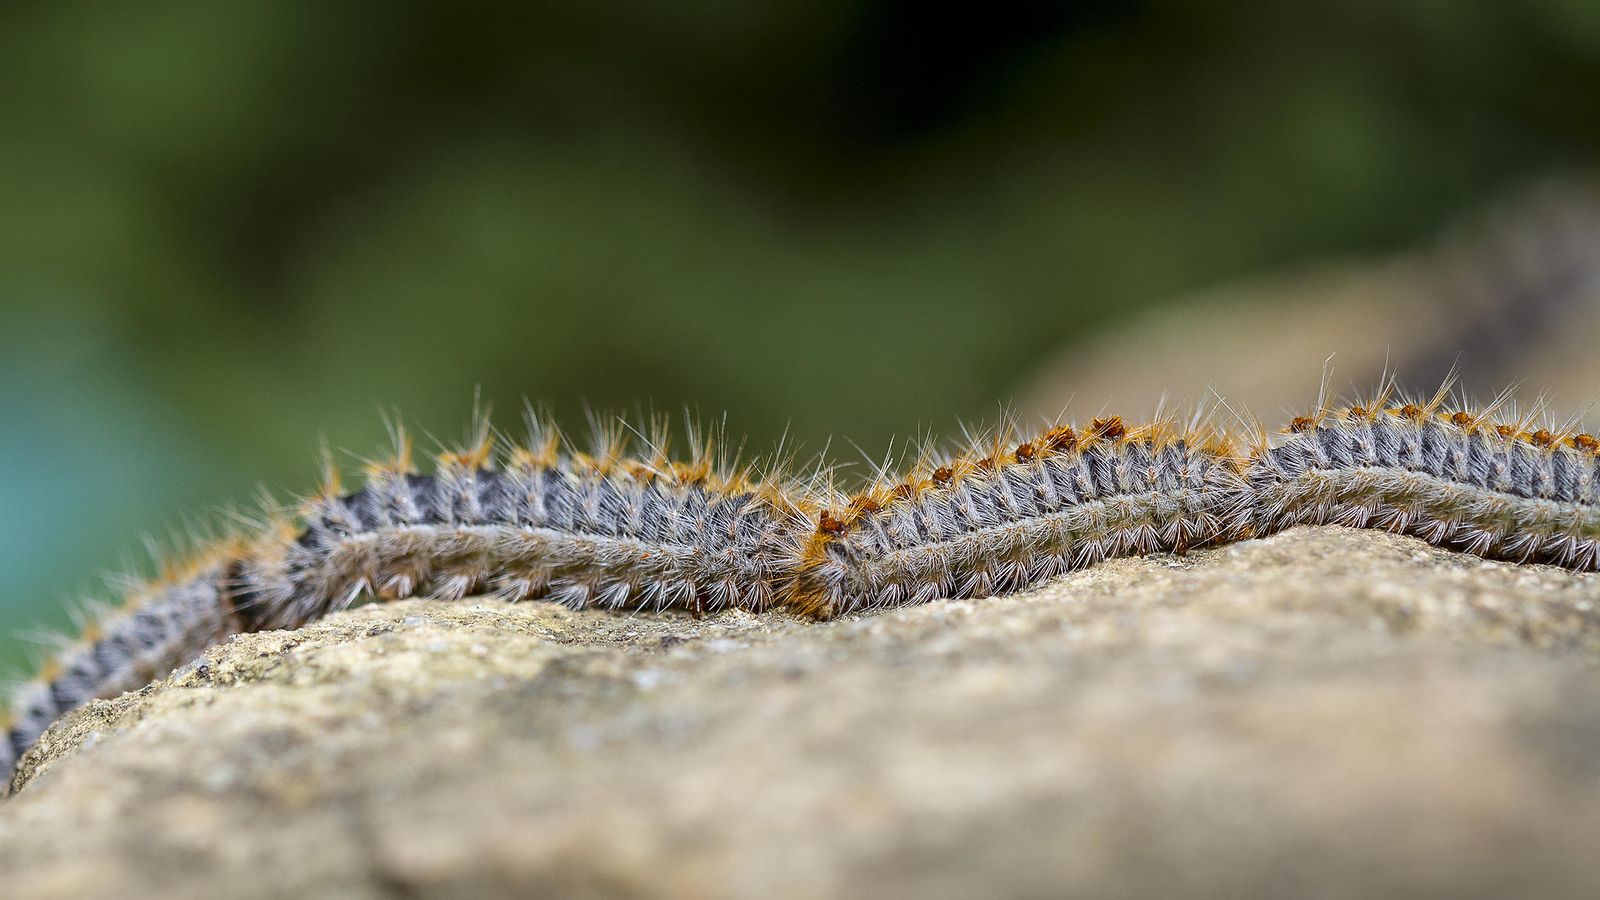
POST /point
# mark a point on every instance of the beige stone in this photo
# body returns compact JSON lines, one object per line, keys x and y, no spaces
{"x":1325,"y":713}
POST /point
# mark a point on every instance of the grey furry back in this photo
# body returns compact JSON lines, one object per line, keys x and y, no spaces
{"x":1012,"y":526}
{"x":581,"y":539}
{"x":1471,"y":488}
{"x":134,"y":648}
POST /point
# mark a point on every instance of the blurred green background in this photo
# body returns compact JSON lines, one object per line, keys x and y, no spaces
{"x":230,"y":228}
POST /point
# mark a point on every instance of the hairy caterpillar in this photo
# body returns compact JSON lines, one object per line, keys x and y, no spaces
{"x":1502,"y":489}
{"x":595,"y":528}
{"x":971,"y":524}
{"x":604,"y":528}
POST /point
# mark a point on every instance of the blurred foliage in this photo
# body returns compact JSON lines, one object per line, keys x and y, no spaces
{"x":229,"y":228}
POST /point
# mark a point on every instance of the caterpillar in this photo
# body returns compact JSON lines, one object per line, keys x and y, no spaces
{"x":604,"y":526}
{"x":1509,"y":489}
{"x":971,"y":525}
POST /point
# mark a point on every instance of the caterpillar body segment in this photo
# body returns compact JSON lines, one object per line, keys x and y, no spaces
{"x":1001,"y":516}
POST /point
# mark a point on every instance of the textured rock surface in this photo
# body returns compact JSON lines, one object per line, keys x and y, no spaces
{"x":1324,"y":713}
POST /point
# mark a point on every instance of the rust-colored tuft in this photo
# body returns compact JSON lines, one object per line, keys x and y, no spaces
{"x":692,"y":473}
{"x":984,"y":465}
{"x":1413,"y":412}
{"x":1302,"y":424}
{"x":1463,"y":419}
{"x":827,"y":524}
{"x":1024,"y":452}
{"x":1358,"y":412}
{"x":1506,"y":431}
{"x":1061,"y":438}
{"x":1543,"y":437}
{"x":861,"y":505}
{"x":475,"y":457}
{"x":49,"y":671}
{"x":1109,"y":428}
{"x":905,"y":491}
{"x":942,"y":475}
{"x":1586,"y":442}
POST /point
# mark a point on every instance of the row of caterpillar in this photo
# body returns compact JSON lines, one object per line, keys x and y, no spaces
{"x":607,"y":528}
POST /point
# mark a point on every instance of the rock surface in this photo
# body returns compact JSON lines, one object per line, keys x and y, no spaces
{"x":1325,"y":713}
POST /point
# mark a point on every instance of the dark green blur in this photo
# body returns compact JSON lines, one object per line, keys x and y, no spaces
{"x":230,"y":229}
